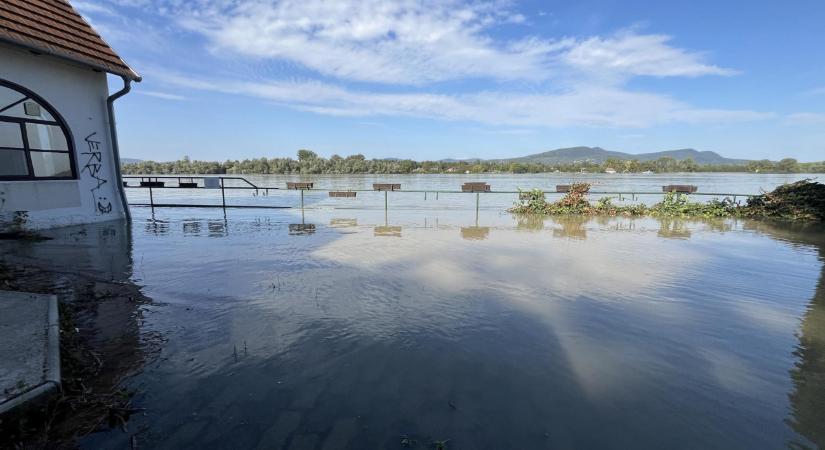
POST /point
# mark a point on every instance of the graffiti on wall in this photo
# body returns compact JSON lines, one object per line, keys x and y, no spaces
{"x":94,"y":167}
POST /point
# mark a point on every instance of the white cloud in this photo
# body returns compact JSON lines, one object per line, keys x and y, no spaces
{"x":161,"y":95}
{"x":594,"y":106}
{"x":420,"y":42}
{"x":805,"y":118}
{"x":395,"y":50}
{"x":86,"y":8}
{"x":628,"y":53}
{"x":376,"y":41}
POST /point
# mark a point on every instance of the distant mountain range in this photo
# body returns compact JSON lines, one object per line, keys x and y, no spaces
{"x":596,"y":155}
{"x":599,"y":155}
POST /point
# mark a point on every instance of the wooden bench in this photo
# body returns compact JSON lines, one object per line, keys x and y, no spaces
{"x":565,"y":188}
{"x":386,"y":186}
{"x":680,"y":188}
{"x":298,"y":185}
{"x":342,"y":194}
{"x":475,"y":187}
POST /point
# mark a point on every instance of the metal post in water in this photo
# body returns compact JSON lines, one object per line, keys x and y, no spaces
{"x":386,"y":203}
{"x":223,"y":197}
{"x":151,"y":200}
{"x":477,"y":195}
{"x":302,"y":201}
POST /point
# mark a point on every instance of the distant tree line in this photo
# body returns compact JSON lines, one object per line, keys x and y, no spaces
{"x":310,"y":163}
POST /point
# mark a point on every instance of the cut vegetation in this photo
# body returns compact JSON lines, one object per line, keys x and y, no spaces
{"x":803,"y":201}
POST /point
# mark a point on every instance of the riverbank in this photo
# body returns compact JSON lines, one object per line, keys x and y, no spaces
{"x":800,"y":201}
{"x":308,"y":162}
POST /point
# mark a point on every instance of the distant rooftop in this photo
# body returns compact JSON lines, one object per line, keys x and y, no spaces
{"x":53,"y":27}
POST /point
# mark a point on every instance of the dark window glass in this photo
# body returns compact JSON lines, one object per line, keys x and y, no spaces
{"x":10,"y":135}
{"x":34,"y":141}
{"x":13,"y":163}
{"x":51,"y":164}
{"x":46,"y":137}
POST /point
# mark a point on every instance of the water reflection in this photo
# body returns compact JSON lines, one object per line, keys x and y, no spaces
{"x":475,"y":233}
{"x":674,"y":229}
{"x":582,"y":333}
{"x":570,"y":227}
{"x":89,"y":268}
{"x":217,"y":228}
{"x":191,"y":227}
{"x":343,"y":223}
{"x":808,"y":374}
{"x":156,"y":226}
{"x":387,"y":231}
{"x":529,"y":222}
{"x":301,"y":229}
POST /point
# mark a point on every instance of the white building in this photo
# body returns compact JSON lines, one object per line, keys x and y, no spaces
{"x":59,"y":162}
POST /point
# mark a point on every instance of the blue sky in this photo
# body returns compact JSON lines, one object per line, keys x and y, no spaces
{"x":490,"y":79}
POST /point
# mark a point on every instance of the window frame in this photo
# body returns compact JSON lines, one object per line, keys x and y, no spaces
{"x":26,"y":149}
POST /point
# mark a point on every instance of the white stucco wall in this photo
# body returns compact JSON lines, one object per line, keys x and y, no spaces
{"x":79,"y":95}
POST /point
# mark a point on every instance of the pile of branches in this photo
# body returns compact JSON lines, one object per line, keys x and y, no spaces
{"x":574,"y":202}
{"x":802,"y":200}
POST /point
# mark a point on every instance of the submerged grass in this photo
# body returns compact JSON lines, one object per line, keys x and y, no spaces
{"x":800,"y":201}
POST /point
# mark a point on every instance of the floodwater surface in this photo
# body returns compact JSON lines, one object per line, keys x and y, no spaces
{"x":409,"y":329}
{"x":720,"y":183}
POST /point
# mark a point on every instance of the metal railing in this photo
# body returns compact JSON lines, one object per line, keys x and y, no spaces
{"x":154,"y":182}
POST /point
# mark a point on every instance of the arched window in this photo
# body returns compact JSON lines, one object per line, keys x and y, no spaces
{"x":35,"y":142}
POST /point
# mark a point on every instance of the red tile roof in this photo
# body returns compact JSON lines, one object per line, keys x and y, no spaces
{"x":54,"y":27}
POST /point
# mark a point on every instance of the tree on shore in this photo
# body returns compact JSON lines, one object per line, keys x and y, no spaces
{"x":309,"y":162}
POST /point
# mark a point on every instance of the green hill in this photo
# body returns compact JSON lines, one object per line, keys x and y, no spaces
{"x":599,"y":155}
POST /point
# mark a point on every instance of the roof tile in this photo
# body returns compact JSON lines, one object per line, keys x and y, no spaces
{"x":54,"y":27}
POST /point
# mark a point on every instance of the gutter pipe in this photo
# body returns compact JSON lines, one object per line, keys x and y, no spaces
{"x":127,"y":86}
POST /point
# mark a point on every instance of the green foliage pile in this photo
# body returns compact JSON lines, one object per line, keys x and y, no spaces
{"x":574,"y":202}
{"x":803,"y":200}
{"x":679,"y":205}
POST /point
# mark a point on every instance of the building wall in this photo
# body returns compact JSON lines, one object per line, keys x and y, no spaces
{"x":79,"y":95}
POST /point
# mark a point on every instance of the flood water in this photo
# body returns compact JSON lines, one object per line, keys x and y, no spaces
{"x":359,"y":328}
{"x":722,"y":183}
